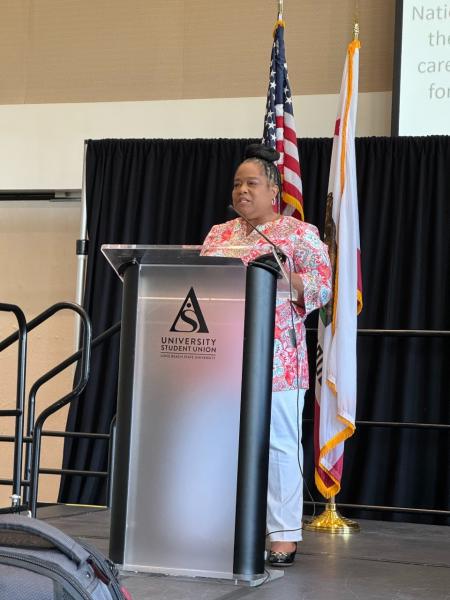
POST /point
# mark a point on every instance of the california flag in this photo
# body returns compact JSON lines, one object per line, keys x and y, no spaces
{"x":336,"y":348}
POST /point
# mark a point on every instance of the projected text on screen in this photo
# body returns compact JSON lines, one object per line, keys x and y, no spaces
{"x":424,"y":103}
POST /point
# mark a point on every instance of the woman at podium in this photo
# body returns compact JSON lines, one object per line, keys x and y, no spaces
{"x":256,"y":188}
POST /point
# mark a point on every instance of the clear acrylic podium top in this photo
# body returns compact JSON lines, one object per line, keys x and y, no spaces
{"x":120,"y":256}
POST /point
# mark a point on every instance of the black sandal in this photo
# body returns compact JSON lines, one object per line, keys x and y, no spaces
{"x":282,"y":559}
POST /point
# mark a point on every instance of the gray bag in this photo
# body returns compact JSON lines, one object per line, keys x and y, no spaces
{"x":40,"y":562}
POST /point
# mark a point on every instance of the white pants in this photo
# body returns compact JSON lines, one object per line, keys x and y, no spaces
{"x":285,"y":489}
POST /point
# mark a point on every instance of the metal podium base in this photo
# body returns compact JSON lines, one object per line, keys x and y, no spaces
{"x":256,"y":580}
{"x":233,"y":578}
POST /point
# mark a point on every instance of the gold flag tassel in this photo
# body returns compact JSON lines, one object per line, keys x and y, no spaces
{"x":331,"y":521}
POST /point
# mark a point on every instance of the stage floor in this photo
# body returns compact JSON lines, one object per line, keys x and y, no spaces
{"x":395,"y":561}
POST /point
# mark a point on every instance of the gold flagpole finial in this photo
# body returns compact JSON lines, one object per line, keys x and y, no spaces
{"x":356,"y":30}
{"x":280,"y":10}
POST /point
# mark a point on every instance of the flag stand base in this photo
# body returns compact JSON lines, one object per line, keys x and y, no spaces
{"x":330,"y":521}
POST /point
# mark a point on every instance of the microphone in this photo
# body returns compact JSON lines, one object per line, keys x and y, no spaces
{"x":278,"y":252}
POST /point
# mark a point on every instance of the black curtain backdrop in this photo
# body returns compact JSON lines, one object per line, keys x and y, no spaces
{"x":173,"y":191}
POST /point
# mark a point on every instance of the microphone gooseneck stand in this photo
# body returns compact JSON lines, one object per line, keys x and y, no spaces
{"x":278,"y":252}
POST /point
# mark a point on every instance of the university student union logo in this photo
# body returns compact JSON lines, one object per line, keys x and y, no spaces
{"x":190,"y":318}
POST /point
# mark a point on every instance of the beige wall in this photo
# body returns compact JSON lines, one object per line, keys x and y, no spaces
{"x":78,"y":69}
{"x":37,"y":246}
{"x":110,"y":50}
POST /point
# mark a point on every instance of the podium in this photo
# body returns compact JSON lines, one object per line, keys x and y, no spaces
{"x":189,"y":493}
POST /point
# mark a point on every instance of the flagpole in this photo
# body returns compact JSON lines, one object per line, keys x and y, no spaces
{"x":331,"y":521}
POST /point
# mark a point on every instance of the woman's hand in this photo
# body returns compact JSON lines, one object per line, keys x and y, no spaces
{"x":297,"y":284}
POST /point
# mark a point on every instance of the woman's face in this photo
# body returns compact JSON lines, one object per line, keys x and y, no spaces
{"x":253,"y":195}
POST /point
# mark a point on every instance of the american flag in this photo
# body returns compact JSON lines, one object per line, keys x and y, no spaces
{"x":279,"y":128}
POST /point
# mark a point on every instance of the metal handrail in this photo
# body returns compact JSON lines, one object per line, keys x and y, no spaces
{"x":426,"y":333}
{"x":24,"y":328}
{"x":405,"y":332}
{"x":74,"y":472}
{"x":49,"y":375}
{"x":375,"y":507}
{"x":56,"y":370}
{"x":72,"y":434}
{"x":396,"y":332}
{"x":112,"y":330}
{"x":400,"y":333}
{"x":48,"y":433}
{"x":406,"y":424}
{"x":28,"y":439}
{"x":20,"y":396}
{"x":50,"y":410}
